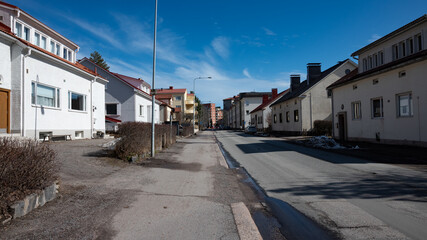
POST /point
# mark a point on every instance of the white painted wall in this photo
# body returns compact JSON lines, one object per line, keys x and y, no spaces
{"x":248,"y":105}
{"x":5,"y":64}
{"x":391,"y":127}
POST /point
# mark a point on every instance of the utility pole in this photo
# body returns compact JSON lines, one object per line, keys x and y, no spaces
{"x":153,"y":91}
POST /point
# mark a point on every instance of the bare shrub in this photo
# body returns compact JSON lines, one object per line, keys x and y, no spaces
{"x":187,"y":130}
{"x":321,"y":127}
{"x":135,"y":139}
{"x":26,"y":166}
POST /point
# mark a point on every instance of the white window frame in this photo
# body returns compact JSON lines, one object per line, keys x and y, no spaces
{"x":141,"y":110}
{"x":380,"y":58}
{"x":381,"y":107}
{"x":57,"y":97}
{"x":20,"y":32}
{"x":356,"y":110}
{"x":84,"y":101}
{"x":410,"y":105}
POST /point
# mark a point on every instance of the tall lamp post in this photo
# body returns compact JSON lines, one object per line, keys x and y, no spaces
{"x":153,"y":92}
{"x":194,"y":108}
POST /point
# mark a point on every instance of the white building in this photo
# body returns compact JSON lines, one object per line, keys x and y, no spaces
{"x":127,"y":99}
{"x":261,"y":116}
{"x":42,"y":89}
{"x":384,"y":99}
{"x":295,"y":112}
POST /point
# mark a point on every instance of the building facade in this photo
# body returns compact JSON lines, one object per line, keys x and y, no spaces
{"x":127,"y":99}
{"x":384,"y":99}
{"x":183,"y":103}
{"x":43,"y":89}
{"x":261,"y":116}
{"x":295,"y":112}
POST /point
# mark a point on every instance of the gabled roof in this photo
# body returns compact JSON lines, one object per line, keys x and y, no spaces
{"x":6,"y":30}
{"x":270,"y":101}
{"x":390,"y":35}
{"x":164,"y":96}
{"x":132,"y":80}
{"x":355,"y":76}
{"x":304,"y":86}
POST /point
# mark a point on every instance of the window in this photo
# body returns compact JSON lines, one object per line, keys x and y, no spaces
{"x":178,"y":98}
{"x":37,"y":39}
{"x":402,"y":74}
{"x":43,"y":43}
{"x":329,"y":93}
{"x":247,"y":112}
{"x":402,"y":49}
{"x":354,"y":86}
{"x":65,"y":51}
{"x":26,"y":34}
{"x":377,"y":107}
{"x":58,"y":49}
{"x":404,"y":105}
{"x":275,"y":118}
{"x":178,"y":106}
{"x":381,"y":57}
{"x":280,"y":118}
{"x":356,"y":110}
{"x":370,"y":62}
{"x":365,"y":64}
{"x":410,"y":45}
{"x":52,"y":47}
{"x":418,"y":43}
{"x":76,"y":101}
{"x":296,"y":116}
{"x":111,"y":108}
{"x":375,"y":82}
{"x":288,"y":117}
{"x":18,"y":29}
{"x":44,"y":95}
{"x":141,"y":110}
{"x":375,"y":60}
{"x":395,"y":52}
{"x":69,"y":55}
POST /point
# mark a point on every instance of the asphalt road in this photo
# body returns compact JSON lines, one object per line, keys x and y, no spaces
{"x":349,"y":197}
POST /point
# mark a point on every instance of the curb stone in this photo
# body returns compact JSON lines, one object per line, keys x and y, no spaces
{"x":246,"y":226}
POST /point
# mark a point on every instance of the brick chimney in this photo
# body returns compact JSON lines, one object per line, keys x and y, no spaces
{"x":295,"y":81}
{"x":264,"y":98}
{"x":171,"y":87}
{"x":273,"y":92}
{"x":313,"y":71}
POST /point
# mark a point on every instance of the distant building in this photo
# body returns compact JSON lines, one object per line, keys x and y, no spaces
{"x":297,"y":110}
{"x":43,"y":90}
{"x":182,"y":102}
{"x":219,"y":116}
{"x":385,"y":98}
{"x":209,"y":116}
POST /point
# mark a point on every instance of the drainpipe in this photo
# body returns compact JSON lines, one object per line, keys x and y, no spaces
{"x":92,"y":108}
{"x":333,"y":114}
{"x":311,"y":115}
{"x":23,"y":92}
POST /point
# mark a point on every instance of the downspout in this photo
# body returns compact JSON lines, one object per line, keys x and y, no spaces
{"x":23,"y":93}
{"x":311,"y":115}
{"x":333,"y":114}
{"x":92,"y":108}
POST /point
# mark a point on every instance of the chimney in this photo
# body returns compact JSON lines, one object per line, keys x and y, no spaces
{"x":171,"y":87}
{"x":273,"y":92}
{"x":264,"y":98}
{"x":295,"y":81}
{"x":313,"y":71}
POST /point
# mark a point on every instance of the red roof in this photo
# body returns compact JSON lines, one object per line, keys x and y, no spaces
{"x":134,"y":81}
{"x":263,"y":105}
{"x":170,"y":91}
{"x":164,"y":96}
{"x":112,"y":119}
{"x":177,"y":110}
{"x":190,"y":94}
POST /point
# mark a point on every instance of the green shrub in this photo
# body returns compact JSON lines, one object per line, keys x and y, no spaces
{"x":135,"y":139}
{"x":26,"y":166}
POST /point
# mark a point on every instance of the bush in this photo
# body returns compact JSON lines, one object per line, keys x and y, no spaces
{"x":26,"y":166}
{"x":187,"y":130}
{"x":135,"y":139}
{"x":321,"y":127}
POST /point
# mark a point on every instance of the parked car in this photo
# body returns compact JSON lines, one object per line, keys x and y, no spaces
{"x":250,"y":130}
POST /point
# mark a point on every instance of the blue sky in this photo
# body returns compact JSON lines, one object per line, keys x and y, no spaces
{"x":244,"y":45}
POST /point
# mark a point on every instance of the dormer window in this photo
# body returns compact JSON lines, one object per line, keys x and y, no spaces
{"x":37,"y":39}
{"x":395,"y":48}
{"x":65,"y":53}
{"x":52,"y":47}
{"x":418,"y":43}
{"x":18,"y":29}
{"x":410,"y":45}
{"x":26,"y":35}
{"x":58,"y":49}
{"x":365,"y":64}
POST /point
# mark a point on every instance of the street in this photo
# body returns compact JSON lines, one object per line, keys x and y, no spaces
{"x":348,"y":197}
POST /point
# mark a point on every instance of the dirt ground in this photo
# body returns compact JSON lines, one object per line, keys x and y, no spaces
{"x":94,"y":188}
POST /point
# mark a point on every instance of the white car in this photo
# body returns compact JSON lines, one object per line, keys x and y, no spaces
{"x":250,"y":130}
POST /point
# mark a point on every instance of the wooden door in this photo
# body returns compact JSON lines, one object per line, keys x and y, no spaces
{"x":4,"y":111}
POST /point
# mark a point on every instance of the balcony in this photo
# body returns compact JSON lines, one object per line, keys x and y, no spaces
{"x":189,"y":102}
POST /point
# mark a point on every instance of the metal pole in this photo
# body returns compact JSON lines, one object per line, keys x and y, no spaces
{"x":153,"y":94}
{"x":194,"y":107}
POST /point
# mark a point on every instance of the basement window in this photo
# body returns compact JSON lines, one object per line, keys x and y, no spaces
{"x":354,"y":87}
{"x":375,"y":81}
{"x":402,"y":74}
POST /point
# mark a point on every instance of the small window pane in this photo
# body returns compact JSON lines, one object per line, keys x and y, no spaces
{"x":58,"y":49}
{"x":356,"y":110}
{"x":26,"y":34}
{"x":65,"y":53}
{"x":296,"y":116}
{"x":43,"y":43}
{"x":18,"y":29}
{"x":77,"y":102}
{"x":405,"y":105}
{"x":111,"y":109}
{"x":52,"y":47}
{"x":37,"y":39}
{"x":377,"y":108}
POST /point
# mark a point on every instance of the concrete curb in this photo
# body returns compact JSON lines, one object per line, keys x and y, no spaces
{"x":33,"y":201}
{"x":246,"y":226}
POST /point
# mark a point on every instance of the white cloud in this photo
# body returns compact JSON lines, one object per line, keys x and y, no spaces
{"x":221,"y":46}
{"x":374,"y":37}
{"x":246,"y":73}
{"x":269,"y":32}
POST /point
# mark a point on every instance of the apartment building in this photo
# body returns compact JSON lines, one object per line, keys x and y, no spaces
{"x":295,"y":112}
{"x":43,"y":90}
{"x":183,"y":103}
{"x":384,"y":99}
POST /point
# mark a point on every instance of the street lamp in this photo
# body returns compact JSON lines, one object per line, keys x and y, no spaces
{"x":153,"y":98}
{"x":194,"y":108}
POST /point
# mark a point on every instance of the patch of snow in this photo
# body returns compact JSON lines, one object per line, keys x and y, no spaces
{"x":111,"y":145}
{"x":324,"y":142}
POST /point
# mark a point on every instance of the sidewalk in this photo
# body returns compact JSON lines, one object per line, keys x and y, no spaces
{"x":184,"y":193}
